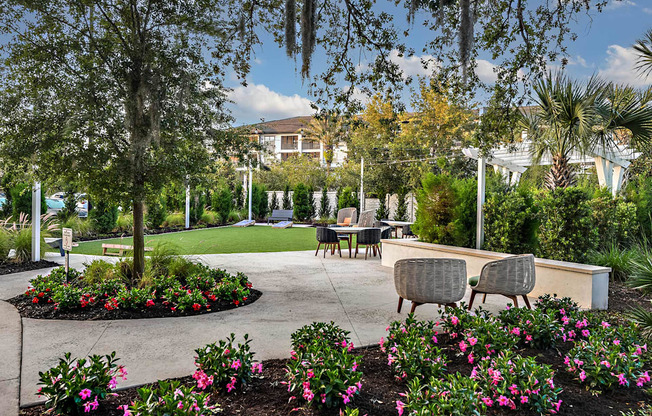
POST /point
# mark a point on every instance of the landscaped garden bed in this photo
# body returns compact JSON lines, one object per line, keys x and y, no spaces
{"x":553,"y":360}
{"x":171,"y":286}
{"x":14,"y":267}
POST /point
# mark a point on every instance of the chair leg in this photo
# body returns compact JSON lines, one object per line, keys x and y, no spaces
{"x":318,"y":245}
{"x":339,"y":249}
{"x":380,"y":253}
{"x":356,"y":251}
{"x":414,"y":306}
{"x":484,"y":298}
{"x":452,"y":305}
{"x":400,"y":304}
{"x":473,"y":293}
{"x":325,"y":248}
{"x":527,"y":302}
{"x":366,"y":250}
{"x":513,"y":299}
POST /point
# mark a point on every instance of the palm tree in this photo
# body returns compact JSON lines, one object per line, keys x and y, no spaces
{"x":580,"y":117}
{"x":328,"y":128}
{"x":643,"y":47}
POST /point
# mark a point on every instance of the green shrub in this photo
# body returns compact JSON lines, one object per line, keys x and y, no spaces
{"x":641,"y":271}
{"x":6,"y":244}
{"x":261,"y":206}
{"x":238,"y":196}
{"x":73,"y":387}
{"x":234,"y":216}
{"x":134,"y":298}
{"x":401,"y":207}
{"x":209,"y":218}
{"x":125,"y":223}
{"x":175,"y":220}
{"x":66,"y":296}
{"x":21,"y":200}
{"x":412,"y":350}
{"x":535,"y":328}
{"x":222,"y":203}
{"x":318,"y":332}
{"x":311,"y":202}
{"x":382,"y":212}
{"x":22,"y":242}
{"x":324,"y":204}
{"x":348,"y":198}
{"x":80,"y":226}
{"x":510,"y":223}
{"x":197,"y":206}
{"x":301,"y":203}
{"x":614,"y":220}
{"x":566,"y":229}
{"x":104,"y":217}
{"x":224,"y":365}
{"x":642,"y":318}
{"x":156,"y":212}
{"x":435,"y":216}
{"x":274,"y":203}
{"x":639,"y":191}
{"x":98,"y":271}
{"x":287,"y":200}
{"x":618,"y":258}
{"x":426,"y":398}
{"x":170,"y":398}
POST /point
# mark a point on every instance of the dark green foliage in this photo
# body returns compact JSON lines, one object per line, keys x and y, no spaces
{"x":259,"y":201}
{"x":311,"y":202}
{"x":614,"y":219}
{"x":104,"y":216}
{"x":222,"y":203}
{"x":446,"y":210}
{"x":639,"y":191}
{"x":382,"y":212}
{"x":401,"y":207}
{"x":566,"y":229}
{"x":510,"y":222}
{"x":70,"y":205}
{"x":238,"y":196}
{"x":274,"y":204}
{"x":348,"y":198}
{"x":156,"y":212}
{"x":301,"y":203}
{"x":197,"y":205}
{"x":287,"y":201}
{"x":21,"y":200}
{"x":324,"y":205}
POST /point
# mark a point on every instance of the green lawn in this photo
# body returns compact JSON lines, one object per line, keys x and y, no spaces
{"x":222,"y":240}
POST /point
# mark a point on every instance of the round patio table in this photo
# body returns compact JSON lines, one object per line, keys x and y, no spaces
{"x":349,"y":231}
{"x":396,"y":224}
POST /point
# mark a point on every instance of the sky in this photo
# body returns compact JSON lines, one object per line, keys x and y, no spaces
{"x":604,"y":47}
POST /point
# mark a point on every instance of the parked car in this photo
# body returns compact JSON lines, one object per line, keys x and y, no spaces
{"x":54,"y":205}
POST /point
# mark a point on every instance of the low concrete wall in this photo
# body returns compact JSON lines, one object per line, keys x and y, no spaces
{"x":587,"y":285}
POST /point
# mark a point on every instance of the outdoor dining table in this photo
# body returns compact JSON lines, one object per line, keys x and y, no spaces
{"x":350,"y":231}
{"x":396,"y":224}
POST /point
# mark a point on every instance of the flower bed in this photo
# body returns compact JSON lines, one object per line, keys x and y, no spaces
{"x":325,"y":375}
{"x":78,"y":297}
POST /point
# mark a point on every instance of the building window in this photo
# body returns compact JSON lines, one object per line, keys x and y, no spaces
{"x":309,"y":144}
{"x":289,"y":142}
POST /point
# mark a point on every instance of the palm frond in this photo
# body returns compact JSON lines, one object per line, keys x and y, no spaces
{"x":643,"y":319}
{"x":643,"y":48}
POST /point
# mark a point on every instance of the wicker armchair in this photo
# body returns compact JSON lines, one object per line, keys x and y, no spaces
{"x":345,"y":213}
{"x":366,"y":218}
{"x":431,"y":280}
{"x":511,"y":277}
{"x":370,"y":238}
{"x":330,"y":240}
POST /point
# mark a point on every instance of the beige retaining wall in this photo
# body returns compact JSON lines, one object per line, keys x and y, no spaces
{"x":587,"y":285}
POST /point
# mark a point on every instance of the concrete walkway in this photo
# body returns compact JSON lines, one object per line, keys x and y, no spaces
{"x":298,"y":288}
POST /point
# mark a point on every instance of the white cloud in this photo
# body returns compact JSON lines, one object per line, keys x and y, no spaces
{"x":256,"y":101}
{"x":647,"y":10}
{"x":414,"y":65}
{"x":616,"y":4}
{"x":485,"y":70}
{"x":578,"y":60}
{"x":620,"y":67}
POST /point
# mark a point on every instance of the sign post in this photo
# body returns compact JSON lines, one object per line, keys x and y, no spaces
{"x":66,"y":245}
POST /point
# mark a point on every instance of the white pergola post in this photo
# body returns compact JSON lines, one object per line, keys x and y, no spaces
{"x":361,"y":185}
{"x":36,"y":222}
{"x":250,"y":184}
{"x":482,"y":176}
{"x":187,"y":204}
{"x":516,"y":177}
{"x":617,"y":179}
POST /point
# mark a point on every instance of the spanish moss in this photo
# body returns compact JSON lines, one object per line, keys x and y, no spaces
{"x":413,"y":4}
{"x":308,"y":31}
{"x":290,"y":27}
{"x":465,"y":35}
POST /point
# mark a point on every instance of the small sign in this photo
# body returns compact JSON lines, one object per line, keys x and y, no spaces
{"x":66,"y":239}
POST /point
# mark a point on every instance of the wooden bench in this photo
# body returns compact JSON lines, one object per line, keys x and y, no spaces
{"x":121,"y":249}
{"x":281,"y":215}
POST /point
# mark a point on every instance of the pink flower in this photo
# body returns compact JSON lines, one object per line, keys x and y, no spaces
{"x":503,"y":401}
{"x":516,"y":331}
{"x":236,"y":364}
{"x":605,"y":324}
{"x":455,"y":320}
{"x":257,"y":368}
{"x":487,"y":401}
{"x":180,"y":405}
{"x":585,"y":333}
{"x":524,"y":399}
{"x":528,"y":338}
{"x":616,"y":342}
{"x":472,"y":341}
{"x":622,"y":380}
{"x":606,"y":364}
{"x":565,"y":320}
{"x":463,"y":346}
{"x":582,"y":375}
{"x":434,"y":339}
{"x":85,"y":394}
{"x":567,"y":360}
{"x":231,"y":385}
{"x":125,"y":408}
{"x":471,"y":358}
{"x":399,"y":406}
{"x":355,"y":366}
{"x":149,"y":303}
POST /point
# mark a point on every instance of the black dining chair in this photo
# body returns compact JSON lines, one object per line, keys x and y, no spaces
{"x":407,"y":232}
{"x":370,"y":238}
{"x":329,"y":238}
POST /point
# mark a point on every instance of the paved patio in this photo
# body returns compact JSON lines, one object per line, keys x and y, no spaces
{"x":298,"y":288}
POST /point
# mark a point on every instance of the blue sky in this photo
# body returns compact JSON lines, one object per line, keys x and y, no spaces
{"x":275,"y":89}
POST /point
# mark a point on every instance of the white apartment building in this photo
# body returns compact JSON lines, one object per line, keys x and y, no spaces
{"x":284,"y":138}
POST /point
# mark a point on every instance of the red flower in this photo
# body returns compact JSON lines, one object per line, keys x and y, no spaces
{"x":35,"y":300}
{"x":149,"y":303}
{"x":249,"y":285}
{"x":245,"y":298}
{"x":173,"y":309}
{"x":40,"y":295}
{"x":196,"y":306}
{"x":237,"y":302}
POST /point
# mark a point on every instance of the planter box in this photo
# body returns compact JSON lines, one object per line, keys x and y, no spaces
{"x":585,"y":284}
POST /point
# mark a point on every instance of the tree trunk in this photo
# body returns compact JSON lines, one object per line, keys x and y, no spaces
{"x":561,"y":174}
{"x":139,"y":241}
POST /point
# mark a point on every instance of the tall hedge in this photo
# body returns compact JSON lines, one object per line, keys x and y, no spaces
{"x":566,"y":229}
{"x":301,"y":201}
{"x":510,"y":222}
{"x":324,"y":204}
{"x":21,"y":200}
{"x":401,"y":207}
{"x":287,"y":201}
{"x":222,"y":203}
{"x":104,"y":216}
{"x":156,"y":212}
{"x":614,"y":219}
{"x":348,"y":198}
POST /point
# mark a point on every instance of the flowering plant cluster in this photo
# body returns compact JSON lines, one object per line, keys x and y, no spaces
{"x":199,"y":289}
{"x":455,"y":395}
{"x":323,"y":371}
{"x":76,"y":386}
{"x":515,"y":382}
{"x":170,"y":399}
{"x":557,"y":307}
{"x":224,"y":365}
{"x":609,"y":357}
{"x":534,"y":327}
{"x":412,"y":351}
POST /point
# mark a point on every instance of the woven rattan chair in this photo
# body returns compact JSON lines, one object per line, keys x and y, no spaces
{"x":385,"y":232}
{"x":441,"y":281}
{"x":345,"y":213}
{"x":366,"y":218}
{"x":370,"y":238}
{"x":330,"y":240}
{"x":511,"y":277}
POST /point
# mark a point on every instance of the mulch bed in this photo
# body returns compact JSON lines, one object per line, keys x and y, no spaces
{"x":623,"y":298}
{"x":97,"y":312}
{"x":11,"y":267}
{"x":266,"y":396}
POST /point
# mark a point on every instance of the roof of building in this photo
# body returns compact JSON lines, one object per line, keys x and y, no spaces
{"x":286,"y":125}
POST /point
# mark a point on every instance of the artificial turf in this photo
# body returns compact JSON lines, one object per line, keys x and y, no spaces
{"x":255,"y":239}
